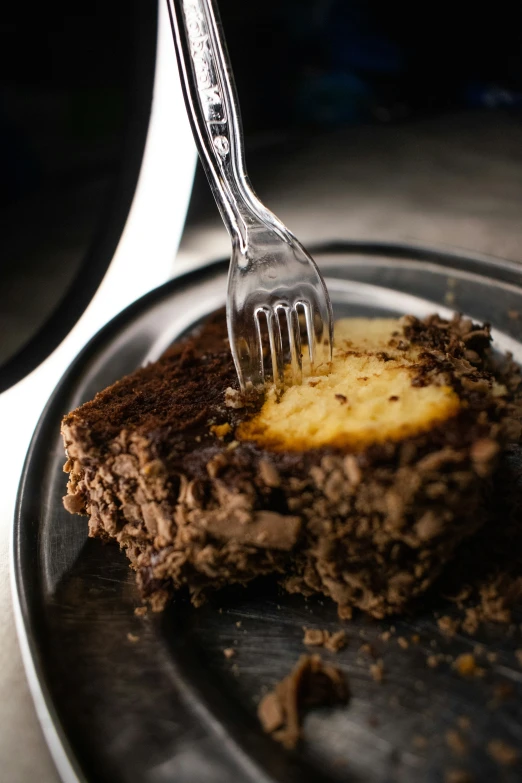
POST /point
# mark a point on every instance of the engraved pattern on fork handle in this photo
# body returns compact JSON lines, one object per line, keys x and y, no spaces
{"x":212,"y":107}
{"x":207,"y":80}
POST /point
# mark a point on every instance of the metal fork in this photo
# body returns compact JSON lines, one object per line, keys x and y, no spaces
{"x":272,"y":279}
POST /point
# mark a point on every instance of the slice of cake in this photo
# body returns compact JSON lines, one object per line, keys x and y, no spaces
{"x":359,"y":484}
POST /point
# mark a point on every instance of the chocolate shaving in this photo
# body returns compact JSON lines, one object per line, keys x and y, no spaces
{"x":265,"y":529}
{"x":310,"y":684}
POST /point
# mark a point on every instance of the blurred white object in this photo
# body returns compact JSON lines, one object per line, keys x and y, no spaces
{"x":143,"y":260}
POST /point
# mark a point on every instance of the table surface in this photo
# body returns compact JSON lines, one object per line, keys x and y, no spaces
{"x":454,"y":182}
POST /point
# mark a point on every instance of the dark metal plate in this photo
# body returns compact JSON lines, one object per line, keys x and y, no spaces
{"x":168,"y":706}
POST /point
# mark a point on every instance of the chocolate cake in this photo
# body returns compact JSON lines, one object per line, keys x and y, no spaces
{"x":359,"y":485}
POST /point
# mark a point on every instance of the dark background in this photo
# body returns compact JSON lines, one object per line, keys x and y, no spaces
{"x":75,"y":90}
{"x":326,"y":62}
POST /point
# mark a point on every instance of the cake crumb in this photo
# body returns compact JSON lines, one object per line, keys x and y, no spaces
{"x":456,"y":742}
{"x":501,"y":692}
{"x":432,"y":661}
{"x":415,"y":638}
{"x":315,"y":637}
{"x":336,"y":641}
{"x":502,"y":753}
{"x":310,"y":683}
{"x":234,"y":398}
{"x":229,"y":652}
{"x":133,"y":638}
{"x":385,"y":636}
{"x":457,"y":776}
{"x":403,"y":642}
{"x":141,"y":611}
{"x":419,"y":741}
{"x":464,"y":722}
{"x":448,"y":625}
{"x":221,"y":430}
{"x":466,"y":665}
{"x":471,"y":622}
{"x":377,"y":670}
{"x":514,"y":315}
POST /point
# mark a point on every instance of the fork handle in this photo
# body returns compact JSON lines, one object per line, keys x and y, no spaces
{"x":212,"y":105}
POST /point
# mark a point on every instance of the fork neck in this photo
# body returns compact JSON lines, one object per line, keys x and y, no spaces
{"x":213,"y":109}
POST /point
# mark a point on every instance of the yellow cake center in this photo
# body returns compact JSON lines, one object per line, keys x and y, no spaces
{"x":366,"y":398}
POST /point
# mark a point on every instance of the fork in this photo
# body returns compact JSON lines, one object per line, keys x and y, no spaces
{"x":274,"y":285}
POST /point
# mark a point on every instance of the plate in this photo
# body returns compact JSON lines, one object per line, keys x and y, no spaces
{"x":153,"y":699}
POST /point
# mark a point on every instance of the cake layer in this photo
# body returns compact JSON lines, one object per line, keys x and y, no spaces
{"x":369,"y":396}
{"x":367,"y":516}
